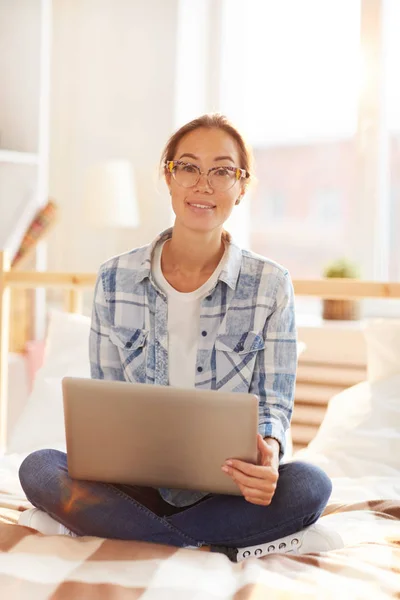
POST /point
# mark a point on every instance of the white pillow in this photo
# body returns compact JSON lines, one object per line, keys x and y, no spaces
{"x":301,"y":346}
{"x":41,"y":424}
{"x":382,"y":337}
{"x":360,"y":434}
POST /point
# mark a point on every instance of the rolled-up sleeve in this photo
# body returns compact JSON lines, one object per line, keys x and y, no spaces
{"x":274,"y":376}
{"x":105,"y":362}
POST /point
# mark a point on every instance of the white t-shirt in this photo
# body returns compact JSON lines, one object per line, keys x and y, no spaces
{"x":183,"y":322}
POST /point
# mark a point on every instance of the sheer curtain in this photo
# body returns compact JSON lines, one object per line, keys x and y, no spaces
{"x":313,"y":86}
{"x":290,"y":78}
{"x":392,"y":106}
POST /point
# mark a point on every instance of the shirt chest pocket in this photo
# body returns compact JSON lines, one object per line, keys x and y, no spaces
{"x":131,"y":345}
{"x":235,"y":360}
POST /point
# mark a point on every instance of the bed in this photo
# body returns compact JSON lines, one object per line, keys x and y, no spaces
{"x":357,"y":443}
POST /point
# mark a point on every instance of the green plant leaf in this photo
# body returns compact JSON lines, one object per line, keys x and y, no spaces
{"x":341,"y":268}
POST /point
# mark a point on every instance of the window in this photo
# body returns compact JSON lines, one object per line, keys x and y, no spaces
{"x":314,"y":87}
{"x":392,"y":105}
{"x":294,"y":91}
{"x":326,"y":208}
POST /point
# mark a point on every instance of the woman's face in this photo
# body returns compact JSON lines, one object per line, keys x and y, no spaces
{"x":200,"y":207}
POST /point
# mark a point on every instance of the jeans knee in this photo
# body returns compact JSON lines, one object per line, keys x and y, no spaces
{"x":323,"y":485}
{"x":34,"y":472}
{"x":316,"y":486}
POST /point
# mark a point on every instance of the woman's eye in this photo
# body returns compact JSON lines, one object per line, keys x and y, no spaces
{"x":222,"y":172}
{"x":189,"y":169}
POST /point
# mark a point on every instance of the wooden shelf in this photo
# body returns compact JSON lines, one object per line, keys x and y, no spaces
{"x":18,"y":158}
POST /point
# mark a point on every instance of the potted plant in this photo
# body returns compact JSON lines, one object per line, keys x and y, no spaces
{"x":341,"y":309}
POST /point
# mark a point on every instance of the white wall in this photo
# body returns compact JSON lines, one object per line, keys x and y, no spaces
{"x":113,"y":89}
{"x":19,"y":74}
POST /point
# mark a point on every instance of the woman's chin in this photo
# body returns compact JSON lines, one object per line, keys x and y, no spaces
{"x":201,"y":225}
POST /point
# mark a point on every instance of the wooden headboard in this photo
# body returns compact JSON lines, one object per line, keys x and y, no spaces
{"x":317,"y":378}
{"x":320,"y":377}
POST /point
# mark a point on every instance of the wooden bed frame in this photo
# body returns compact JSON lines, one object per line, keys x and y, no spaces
{"x":309,"y":407}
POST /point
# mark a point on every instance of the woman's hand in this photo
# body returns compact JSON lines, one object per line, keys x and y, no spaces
{"x":257,"y":482}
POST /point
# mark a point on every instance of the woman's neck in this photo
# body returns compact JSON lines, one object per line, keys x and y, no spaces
{"x":193,"y":253}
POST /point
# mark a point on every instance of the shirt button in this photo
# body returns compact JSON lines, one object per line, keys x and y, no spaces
{"x":209,"y":298}
{"x":128,"y":345}
{"x":204,"y":333}
{"x":199,"y":369}
{"x":240,"y":347}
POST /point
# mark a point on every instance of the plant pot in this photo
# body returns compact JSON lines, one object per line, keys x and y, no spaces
{"x":343,"y":310}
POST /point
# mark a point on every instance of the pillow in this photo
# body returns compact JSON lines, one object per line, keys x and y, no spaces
{"x":382,"y":337}
{"x":301,"y":346}
{"x":41,"y":424}
{"x":360,"y":434}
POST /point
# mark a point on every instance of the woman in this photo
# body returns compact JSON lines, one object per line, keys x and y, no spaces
{"x":193,"y":309}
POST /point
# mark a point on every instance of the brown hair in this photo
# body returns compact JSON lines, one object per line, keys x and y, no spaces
{"x":210,"y":121}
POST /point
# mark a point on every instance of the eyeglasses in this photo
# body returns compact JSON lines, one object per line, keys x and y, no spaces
{"x":219,"y":179}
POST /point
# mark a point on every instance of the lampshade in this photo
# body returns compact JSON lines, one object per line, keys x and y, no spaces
{"x":109,"y":197}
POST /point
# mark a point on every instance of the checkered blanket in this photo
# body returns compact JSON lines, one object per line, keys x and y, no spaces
{"x":35,"y":567}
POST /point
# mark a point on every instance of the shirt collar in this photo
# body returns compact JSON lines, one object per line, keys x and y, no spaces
{"x":230,"y":271}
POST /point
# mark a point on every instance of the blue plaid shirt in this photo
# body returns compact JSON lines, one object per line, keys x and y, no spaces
{"x":250,"y":347}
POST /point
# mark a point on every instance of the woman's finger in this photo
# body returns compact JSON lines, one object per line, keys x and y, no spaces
{"x":256,"y":494}
{"x":268,"y":479}
{"x":257,"y":483}
{"x":259,"y":497}
{"x":265,"y":451}
{"x":265,"y":502}
{"x":257,"y":471}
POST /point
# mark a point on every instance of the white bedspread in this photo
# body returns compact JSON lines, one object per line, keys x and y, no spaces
{"x":367,"y":568}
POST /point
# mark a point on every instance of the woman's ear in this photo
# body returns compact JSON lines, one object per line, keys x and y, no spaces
{"x":168,"y":180}
{"x":239,"y":199}
{"x":242,"y":192}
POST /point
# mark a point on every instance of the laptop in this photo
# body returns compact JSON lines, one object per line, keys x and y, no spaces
{"x":157,"y":436}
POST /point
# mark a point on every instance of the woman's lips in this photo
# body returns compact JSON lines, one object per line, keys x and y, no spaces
{"x":201,"y":207}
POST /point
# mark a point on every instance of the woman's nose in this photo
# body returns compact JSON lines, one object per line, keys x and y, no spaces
{"x":203,"y":183}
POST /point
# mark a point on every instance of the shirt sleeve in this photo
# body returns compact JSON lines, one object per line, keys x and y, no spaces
{"x":105,"y":362}
{"x":274,"y":374}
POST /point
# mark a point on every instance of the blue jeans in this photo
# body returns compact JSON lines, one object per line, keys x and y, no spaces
{"x":130,"y":512}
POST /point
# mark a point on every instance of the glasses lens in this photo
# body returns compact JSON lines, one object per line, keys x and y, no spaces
{"x":186,"y":175}
{"x":222,"y":179}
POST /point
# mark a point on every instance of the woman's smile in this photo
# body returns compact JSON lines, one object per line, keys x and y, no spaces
{"x":201,"y":207}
